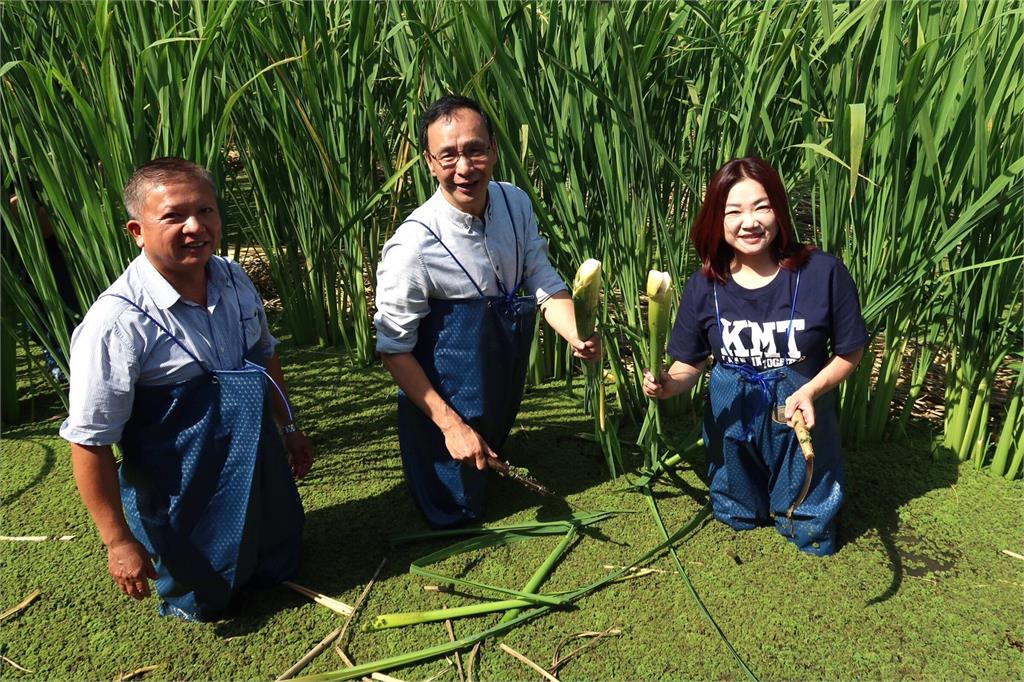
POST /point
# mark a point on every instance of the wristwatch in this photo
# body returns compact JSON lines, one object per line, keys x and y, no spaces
{"x":290,"y":427}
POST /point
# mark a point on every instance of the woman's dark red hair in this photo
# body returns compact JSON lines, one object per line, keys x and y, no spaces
{"x":709,"y":228}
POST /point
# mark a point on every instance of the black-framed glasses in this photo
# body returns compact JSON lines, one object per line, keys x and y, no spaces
{"x":475,"y":154}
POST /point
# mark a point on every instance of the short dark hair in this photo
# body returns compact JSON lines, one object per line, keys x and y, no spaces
{"x":164,"y":170}
{"x":445,"y":108}
{"x":708,"y":229}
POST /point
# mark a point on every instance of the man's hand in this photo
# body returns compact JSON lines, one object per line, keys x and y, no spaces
{"x":589,"y":350}
{"x":131,"y":568}
{"x":300,"y":453}
{"x":802,"y":400}
{"x":466,"y":445}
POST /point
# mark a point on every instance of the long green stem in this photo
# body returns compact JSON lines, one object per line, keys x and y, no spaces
{"x":544,"y":570}
{"x":398,"y":620}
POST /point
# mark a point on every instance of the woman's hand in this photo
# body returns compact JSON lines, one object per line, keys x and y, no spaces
{"x":803,"y":400}
{"x":678,"y":378}
{"x":657,"y":388}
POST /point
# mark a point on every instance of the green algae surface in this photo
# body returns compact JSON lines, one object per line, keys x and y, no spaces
{"x":920,"y":588}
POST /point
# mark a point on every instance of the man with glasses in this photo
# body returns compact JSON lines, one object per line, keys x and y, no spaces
{"x":451,"y":326}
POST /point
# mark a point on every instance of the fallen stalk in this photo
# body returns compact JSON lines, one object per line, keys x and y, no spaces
{"x":322,"y":646}
{"x":595,"y":637}
{"x":361,"y":600}
{"x":20,"y":606}
{"x":381,"y":677}
{"x":643,"y":571}
{"x":36,"y":538}
{"x":136,"y":673}
{"x":653,"y":504}
{"x":518,"y":656}
{"x":471,"y":661}
{"x":501,"y":628}
{"x":335,"y":635}
{"x":544,"y":570}
{"x":401,"y":620}
{"x":450,"y":629}
{"x":15,"y":665}
{"x":322,"y":599}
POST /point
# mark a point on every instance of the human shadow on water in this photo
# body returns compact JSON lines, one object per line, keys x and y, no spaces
{"x":49,"y":458}
{"x":880,"y":479}
{"x":344,"y":542}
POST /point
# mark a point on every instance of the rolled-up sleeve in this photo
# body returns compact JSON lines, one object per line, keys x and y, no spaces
{"x":539,"y":275}
{"x":104,"y":367}
{"x":402,"y":296}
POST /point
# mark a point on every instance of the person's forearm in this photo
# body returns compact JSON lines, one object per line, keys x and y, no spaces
{"x":682,"y":377}
{"x":96,"y":478}
{"x":561,"y":316}
{"x":833,"y":373}
{"x":410,"y":377}
{"x":280,"y":407}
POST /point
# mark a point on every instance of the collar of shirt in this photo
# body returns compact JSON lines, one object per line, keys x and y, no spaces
{"x":164,"y":295}
{"x":460,"y":219}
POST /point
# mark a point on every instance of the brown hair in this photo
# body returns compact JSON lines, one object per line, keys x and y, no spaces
{"x":708,"y":229}
{"x":166,"y":169}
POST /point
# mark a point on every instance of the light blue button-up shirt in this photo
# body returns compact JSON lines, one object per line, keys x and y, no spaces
{"x":116,"y":347}
{"x":414,"y":267}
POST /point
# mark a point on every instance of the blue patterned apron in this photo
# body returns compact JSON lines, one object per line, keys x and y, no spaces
{"x":755,"y":465}
{"x":206,"y":486}
{"x":475,"y":353}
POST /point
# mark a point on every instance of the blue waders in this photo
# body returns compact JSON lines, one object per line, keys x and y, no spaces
{"x":207,"y":489}
{"x":755,"y":465}
{"x":475,"y":353}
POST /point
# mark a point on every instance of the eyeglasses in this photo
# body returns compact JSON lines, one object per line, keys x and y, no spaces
{"x":475,"y":154}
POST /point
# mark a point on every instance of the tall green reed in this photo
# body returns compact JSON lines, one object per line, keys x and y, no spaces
{"x":894,"y":124}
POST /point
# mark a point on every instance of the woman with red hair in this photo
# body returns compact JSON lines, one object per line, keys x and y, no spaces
{"x":783,"y":323}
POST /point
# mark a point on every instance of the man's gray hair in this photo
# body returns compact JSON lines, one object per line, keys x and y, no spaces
{"x":162,"y":171}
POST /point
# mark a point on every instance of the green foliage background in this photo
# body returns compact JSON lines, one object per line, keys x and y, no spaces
{"x":896,"y":126}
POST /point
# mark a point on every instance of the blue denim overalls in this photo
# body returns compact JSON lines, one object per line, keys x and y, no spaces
{"x":206,"y":486}
{"x":755,"y":466}
{"x":475,"y":353}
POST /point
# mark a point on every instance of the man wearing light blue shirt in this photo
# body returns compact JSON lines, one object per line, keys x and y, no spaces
{"x":175,"y":363}
{"x":452,"y":328}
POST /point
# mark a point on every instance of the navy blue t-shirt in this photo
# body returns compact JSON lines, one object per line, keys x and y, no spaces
{"x":756,"y":322}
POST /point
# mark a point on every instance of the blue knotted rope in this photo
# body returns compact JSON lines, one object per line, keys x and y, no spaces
{"x":765,"y":383}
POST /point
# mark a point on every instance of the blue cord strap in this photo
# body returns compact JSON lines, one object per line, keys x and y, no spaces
{"x":445,"y":247}
{"x":764,"y":381}
{"x":519,"y":272}
{"x":162,"y":328}
{"x":247,"y":365}
{"x":507,"y":294}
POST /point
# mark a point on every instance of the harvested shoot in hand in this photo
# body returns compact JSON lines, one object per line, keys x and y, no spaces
{"x":659,"y":296}
{"x":586,"y":297}
{"x":659,"y":302}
